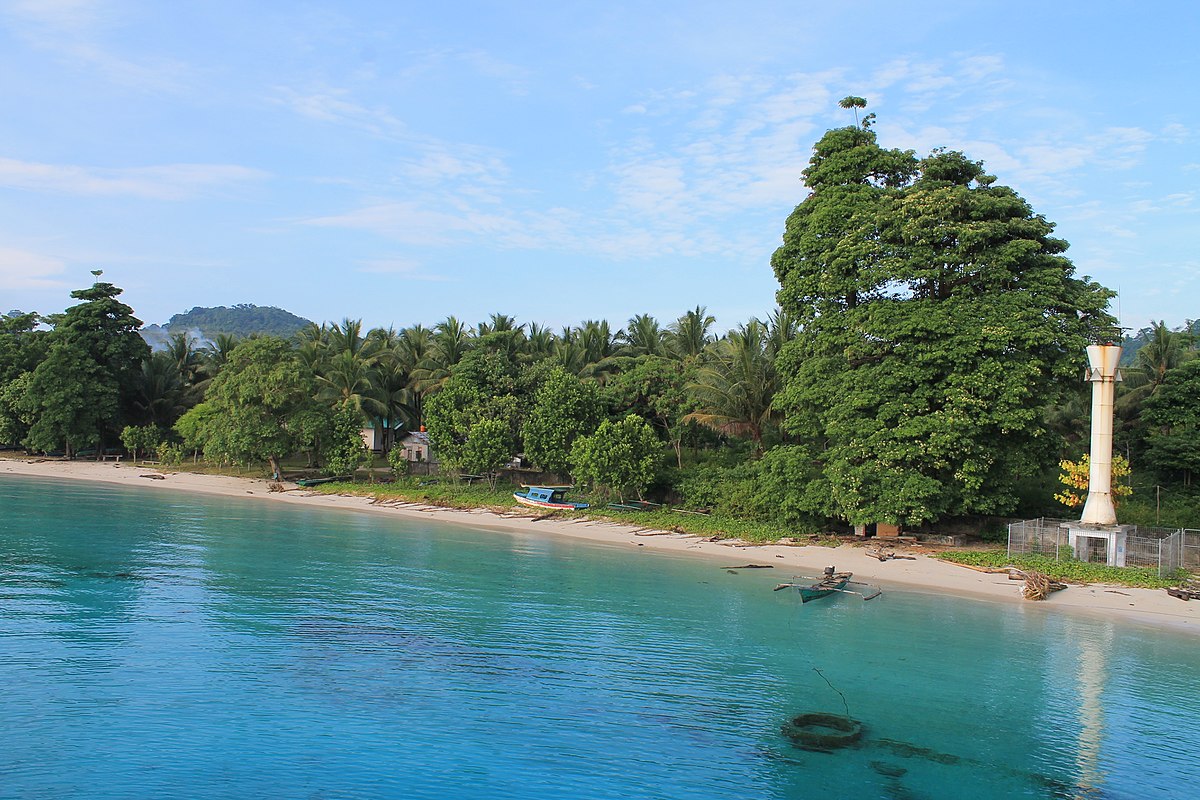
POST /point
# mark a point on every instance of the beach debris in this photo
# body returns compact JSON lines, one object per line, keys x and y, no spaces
{"x":752,"y":566}
{"x":275,"y":486}
{"x":1189,"y":590}
{"x":154,"y":476}
{"x":888,"y":555}
{"x":1039,"y":586}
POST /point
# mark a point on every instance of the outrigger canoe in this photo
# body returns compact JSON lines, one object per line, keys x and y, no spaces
{"x":552,"y":497}
{"x":829,"y":583}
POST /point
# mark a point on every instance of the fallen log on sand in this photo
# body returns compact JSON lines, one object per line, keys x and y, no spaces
{"x":887,"y":555}
{"x":1039,"y":586}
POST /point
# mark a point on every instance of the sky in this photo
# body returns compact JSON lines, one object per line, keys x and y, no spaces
{"x":401,"y":162}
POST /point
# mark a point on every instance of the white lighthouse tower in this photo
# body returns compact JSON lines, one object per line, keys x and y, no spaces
{"x":1098,"y":523}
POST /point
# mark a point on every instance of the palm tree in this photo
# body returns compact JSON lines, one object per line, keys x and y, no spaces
{"x":643,"y":336}
{"x":540,"y":342}
{"x":599,"y":345}
{"x":383,"y":338}
{"x":782,"y":328}
{"x":392,"y":399}
{"x":688,"y":335}
{"x":735,"y":387}
{"x":187,"y":358}
{"x":349,"y":380}
{"x":218,"y":352}
{"x":449,"y":343}
{"x":498,"y":323}
{"x":347,"y":338}
{"x":162,"y":395}
{"x":1165,"y":350}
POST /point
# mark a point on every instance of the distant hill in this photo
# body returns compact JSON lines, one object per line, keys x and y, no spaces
{"x":240,"y":320}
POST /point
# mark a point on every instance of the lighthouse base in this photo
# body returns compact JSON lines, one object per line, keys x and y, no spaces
{"x":1099,"y":543}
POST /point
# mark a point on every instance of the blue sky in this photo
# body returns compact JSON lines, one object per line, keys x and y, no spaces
{"x":400,"y":162}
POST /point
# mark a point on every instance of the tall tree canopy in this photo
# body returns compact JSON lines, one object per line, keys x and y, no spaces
{"x":939,"y":318}
{"x":84,"y":390}
{"x":261,"y":406}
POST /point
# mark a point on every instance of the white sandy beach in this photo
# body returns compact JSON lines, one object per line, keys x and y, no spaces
{"x":1145,"y":606}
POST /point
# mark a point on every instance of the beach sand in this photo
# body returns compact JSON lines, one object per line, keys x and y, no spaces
{"x":924,"y":574}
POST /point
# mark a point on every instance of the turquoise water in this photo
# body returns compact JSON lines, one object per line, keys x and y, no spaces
{"x":169,"y":645}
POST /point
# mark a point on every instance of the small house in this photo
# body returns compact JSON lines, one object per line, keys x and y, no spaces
{"x":416,"y":446}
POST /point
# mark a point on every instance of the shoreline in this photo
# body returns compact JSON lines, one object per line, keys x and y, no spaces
{"x":1152,"y":607}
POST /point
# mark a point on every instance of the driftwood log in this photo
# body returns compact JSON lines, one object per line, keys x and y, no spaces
{"x":887,"y":555}
{"x":1039,"y":587}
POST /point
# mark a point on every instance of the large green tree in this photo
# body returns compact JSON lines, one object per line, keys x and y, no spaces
{"x":22,"y":348}
{"x":84,"y":390}
{"x":260,"y":405}
{"x":654,"y":388}
{"x":619,"y":456}
{"x":563,"y":409}
{"x":68,"y":402}
{"x":939,"y":318}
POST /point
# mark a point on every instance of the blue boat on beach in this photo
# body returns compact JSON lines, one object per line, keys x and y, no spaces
{"x":552,"y":497}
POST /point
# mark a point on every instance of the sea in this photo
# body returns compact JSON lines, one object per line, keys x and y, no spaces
{"x":157,"y":644}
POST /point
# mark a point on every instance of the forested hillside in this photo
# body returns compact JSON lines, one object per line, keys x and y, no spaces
{"x":240,"y":320}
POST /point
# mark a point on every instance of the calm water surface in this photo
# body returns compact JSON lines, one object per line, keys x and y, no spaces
{"x":169,"y":645}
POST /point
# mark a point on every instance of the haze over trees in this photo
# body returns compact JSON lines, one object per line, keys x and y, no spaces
{"x":923,"y":363}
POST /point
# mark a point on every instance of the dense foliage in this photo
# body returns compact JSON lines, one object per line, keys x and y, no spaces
{"x":923,"y":363}
{"x":940,"y":318}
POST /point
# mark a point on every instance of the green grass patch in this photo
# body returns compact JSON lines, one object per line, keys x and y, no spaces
{"x":1068,"y":570}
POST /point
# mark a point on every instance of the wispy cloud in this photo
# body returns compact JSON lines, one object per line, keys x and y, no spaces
{"x":75,"y":30}
{"x":62,"y":14}
{"x":417,"y":223}
{"x":402,"y":267}
{"x":698,"y":157}
{"x":21,"y":269}
{"x":424,"y":159}
{"x":161,"y":182}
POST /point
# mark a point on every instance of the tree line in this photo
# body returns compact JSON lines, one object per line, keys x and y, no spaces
{"x":923,"y":362}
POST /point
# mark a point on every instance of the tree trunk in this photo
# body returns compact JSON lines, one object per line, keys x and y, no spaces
{"x":275,"y":471}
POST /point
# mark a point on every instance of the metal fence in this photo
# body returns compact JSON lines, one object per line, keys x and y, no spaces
{"x":1165,"y":549}
{"x":1044,"y":535}
{"x":1191,"y":549}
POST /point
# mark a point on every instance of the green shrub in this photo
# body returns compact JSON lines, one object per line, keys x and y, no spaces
{"x":398,"y":460}
{"x":170,"y":454}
